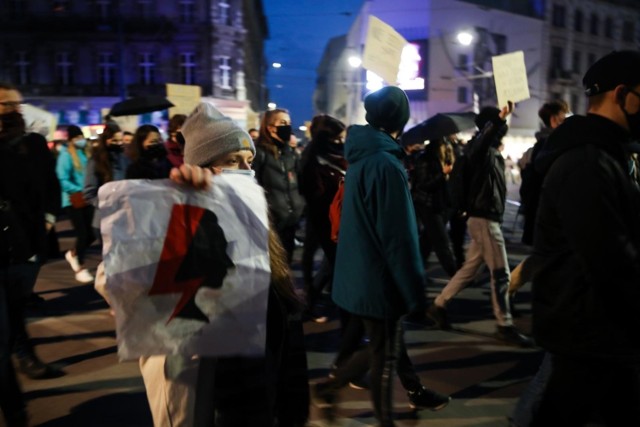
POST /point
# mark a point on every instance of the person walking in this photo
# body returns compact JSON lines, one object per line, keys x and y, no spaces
{"x":107,"y":163}
{"x":276,"y":167}
{"x":322,"y":170}
{"x":485,"y":204}
{"x":432,"y":201}
{"x":379,"y":275}
{"x":586,"y":291}
{"x":29,"y":199}
{"x":70,"y":169}
{"x":148,"y":155}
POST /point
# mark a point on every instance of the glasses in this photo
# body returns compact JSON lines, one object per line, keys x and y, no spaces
{"x":13,"y":104}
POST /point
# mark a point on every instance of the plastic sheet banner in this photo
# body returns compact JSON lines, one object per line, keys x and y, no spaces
{"x":187,"y":270}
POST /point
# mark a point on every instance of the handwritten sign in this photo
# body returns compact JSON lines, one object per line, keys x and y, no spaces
{"x":510,"y":75}
{"x":383,"y":50}
{"x":185,"y":98}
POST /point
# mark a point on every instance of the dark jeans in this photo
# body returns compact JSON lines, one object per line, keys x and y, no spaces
{"x":287,"y":238}
{"x":457,"y":234}
{"x":385,"y":354}
{"x":16,"y":284}
{"x":584,"y":391}
{"x":81,"y":220}
{"x":434,"y":236}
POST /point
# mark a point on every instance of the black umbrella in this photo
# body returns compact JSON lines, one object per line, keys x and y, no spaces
{"x":439,"y":126}
{"x":140,"y":105}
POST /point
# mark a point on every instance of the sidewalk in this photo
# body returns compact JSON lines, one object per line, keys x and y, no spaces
{"x":74,"y":331}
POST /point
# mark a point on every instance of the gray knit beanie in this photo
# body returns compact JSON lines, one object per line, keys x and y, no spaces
{"x":209,"y":134}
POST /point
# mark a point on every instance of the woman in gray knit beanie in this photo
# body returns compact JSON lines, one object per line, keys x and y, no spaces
{"x":278,"y":382}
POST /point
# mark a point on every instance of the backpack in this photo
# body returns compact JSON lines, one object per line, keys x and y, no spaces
{"x":335,"y":211}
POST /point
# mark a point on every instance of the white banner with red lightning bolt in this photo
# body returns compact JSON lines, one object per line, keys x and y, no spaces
{"x":187,"y":270}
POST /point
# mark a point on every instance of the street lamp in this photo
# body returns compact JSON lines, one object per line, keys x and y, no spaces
{"x":276,"y":65}
{"x":465,"y":38}
{"x":354,"y":61}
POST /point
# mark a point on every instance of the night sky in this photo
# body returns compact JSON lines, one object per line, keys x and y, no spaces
{"x":298,"y":33}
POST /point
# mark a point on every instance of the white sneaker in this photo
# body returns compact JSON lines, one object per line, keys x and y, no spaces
{"x":73,"y":261}
{"x":83,"y":276}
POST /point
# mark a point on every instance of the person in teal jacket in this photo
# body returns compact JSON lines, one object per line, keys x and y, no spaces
{"x":70,"y":168}
{"x":379,"y":274}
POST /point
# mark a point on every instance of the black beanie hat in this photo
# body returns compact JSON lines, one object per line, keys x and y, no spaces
{"x":616,"y":68}
{"x":387,"y":108}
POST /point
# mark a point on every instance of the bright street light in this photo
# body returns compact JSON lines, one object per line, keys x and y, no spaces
{"x":354,"y":61}
{"x":276,"y":65}
{"x":465,"y":38}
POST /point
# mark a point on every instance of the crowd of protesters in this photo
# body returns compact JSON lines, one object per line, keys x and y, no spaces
{"x":398,"y":201}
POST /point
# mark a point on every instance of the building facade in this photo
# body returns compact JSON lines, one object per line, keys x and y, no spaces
{"x":75,"y":58}
{"x":559,"y":38}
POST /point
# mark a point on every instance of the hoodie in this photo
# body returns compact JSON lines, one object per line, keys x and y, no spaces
{"x":379,"y":271}
{"x":586,"y":295}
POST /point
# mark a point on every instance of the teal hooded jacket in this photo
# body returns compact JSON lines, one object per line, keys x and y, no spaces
{"x":379,"y":271}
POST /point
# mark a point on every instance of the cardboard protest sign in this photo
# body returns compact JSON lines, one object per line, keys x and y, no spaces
{"x":383,"y":50}
{"x":510,"y":76}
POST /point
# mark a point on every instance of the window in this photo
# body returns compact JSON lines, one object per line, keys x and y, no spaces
{"x":557,"y":55}
{"x":22,"y":67}
{"x":575,"y":102}
{"x":594,"y":23}
{"x":187,"y":68}
{"x":225,"y":72}
{"x":463,"y":95}
{"x":627,"y":31}
{"x":591,"y":59}
{"x":145,"y":8}
{"x":225,"y":15}
{"x":103,"y":9}
{"x":106,"y":69}
{"x":64,"y":69}
{"x":575,"y":63}
{"x":187,"y":11}
{"x":146,"y":66}
{"x":500,"y":41}
{"x":608,"y":27}
{"x":577,"y":20}
{"x":559,"y":16}
{"x":463,"y":62}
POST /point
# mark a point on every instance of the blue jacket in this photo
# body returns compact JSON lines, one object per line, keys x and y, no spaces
{"x":379,"y":271}
{"x":71,"y":179}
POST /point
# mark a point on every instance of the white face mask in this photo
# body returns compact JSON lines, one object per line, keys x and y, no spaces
{"x":81,"y":143}
{"x":247,"y":172}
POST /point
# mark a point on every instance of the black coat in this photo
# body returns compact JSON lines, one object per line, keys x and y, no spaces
{"x":429,"y":184}
{"x":487,"y":188}
{"x":278,"y":175}
{"x":29,"y":188}
{"x":586,"y":295}
{"x":531,"y":186}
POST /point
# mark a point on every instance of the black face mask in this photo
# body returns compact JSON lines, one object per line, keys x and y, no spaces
{"x":12,"y":124}
{"x":284,"y":133}
{"x":633,"y":121}
{"x":115,"y":148}
{"x":154,"y":152}
{"x":335,"y":149}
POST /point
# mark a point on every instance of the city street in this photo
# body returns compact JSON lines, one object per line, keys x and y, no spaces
{"x":74,"y":331}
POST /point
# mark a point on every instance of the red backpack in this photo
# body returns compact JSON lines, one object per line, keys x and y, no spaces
{"x":335,"y":210}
